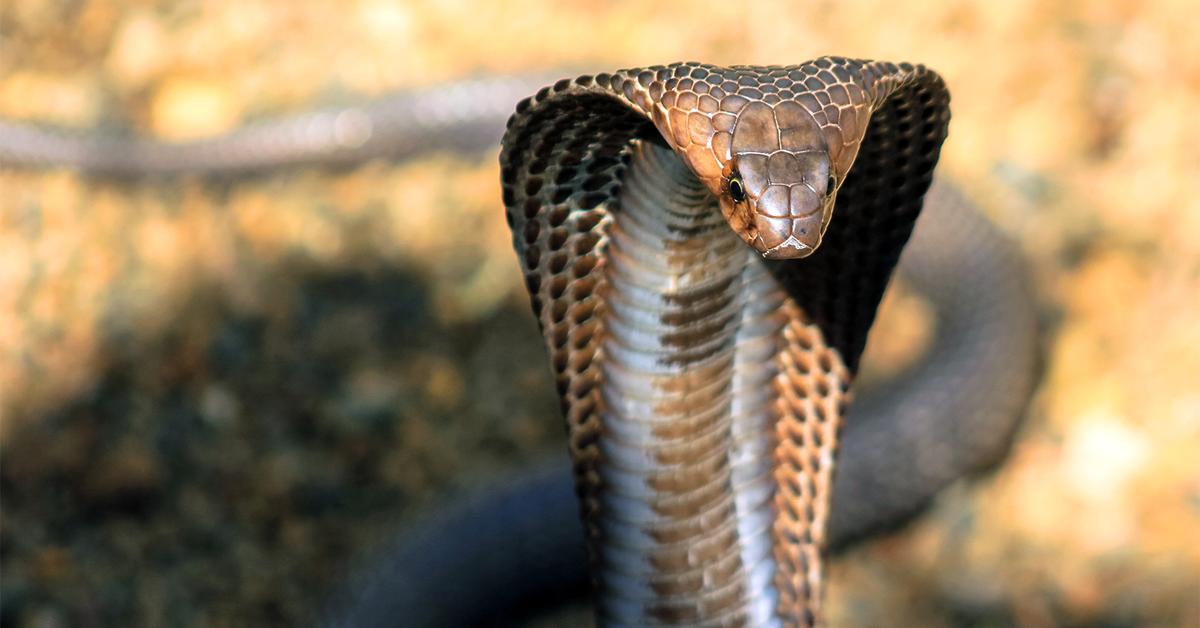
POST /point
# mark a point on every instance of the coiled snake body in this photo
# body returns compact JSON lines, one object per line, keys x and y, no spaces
{"x":705,"y":249}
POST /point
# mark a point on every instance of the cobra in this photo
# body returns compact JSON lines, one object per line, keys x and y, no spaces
{"x":704,"y":318}
{"x":705,"y":249}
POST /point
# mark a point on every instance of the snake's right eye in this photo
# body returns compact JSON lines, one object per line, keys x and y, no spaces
{"x":737,"y":191}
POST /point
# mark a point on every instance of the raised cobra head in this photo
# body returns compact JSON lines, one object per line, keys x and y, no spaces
{"x":702,"y":386}
{"x":774,"y":163}
{"x":774,"y":177}
{"x":780,"y":183}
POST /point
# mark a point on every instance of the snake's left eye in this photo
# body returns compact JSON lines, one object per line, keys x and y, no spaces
{"x":737,"y":191}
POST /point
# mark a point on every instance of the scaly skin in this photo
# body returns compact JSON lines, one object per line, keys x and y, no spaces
{"x":703,"y":381}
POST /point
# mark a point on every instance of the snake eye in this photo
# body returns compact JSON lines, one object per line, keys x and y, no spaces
{"x":831,"y":186}
{"x":737,"y":191}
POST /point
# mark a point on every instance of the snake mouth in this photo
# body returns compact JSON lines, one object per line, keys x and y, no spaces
{"x":790,"y":248}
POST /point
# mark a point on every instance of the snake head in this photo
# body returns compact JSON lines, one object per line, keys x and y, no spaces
{"x":771,"y":144}
{"x":777,"y":188}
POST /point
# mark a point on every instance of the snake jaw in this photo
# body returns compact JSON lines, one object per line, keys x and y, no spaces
{"x":789,"y":249}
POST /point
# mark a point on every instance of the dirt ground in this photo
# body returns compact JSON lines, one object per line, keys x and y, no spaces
{"x":214,"y":395}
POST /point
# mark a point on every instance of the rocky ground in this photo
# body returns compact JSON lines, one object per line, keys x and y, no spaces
{"x":215,"y":394}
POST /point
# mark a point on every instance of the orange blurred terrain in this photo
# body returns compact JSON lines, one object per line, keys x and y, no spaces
{"x":213,"y":395}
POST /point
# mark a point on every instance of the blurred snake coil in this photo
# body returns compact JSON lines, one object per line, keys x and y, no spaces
{"x":705,"y":249}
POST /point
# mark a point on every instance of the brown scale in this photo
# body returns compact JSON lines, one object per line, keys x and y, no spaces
{"x":811,"y":396}
{"x":827,"y":161}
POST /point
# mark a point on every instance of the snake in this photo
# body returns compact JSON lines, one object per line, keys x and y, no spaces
{"x":705,"y":249}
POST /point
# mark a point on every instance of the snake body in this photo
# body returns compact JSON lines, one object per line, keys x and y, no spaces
{"x":704,"y":381}
{"x":704,"y":367}
{"x":467,"y":115}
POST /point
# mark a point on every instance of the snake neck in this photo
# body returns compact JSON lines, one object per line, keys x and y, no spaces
{"x":693,"y":524}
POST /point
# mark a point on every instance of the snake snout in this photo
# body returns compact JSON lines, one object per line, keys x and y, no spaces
{"x":787,"y":238}
{"x":790,"y":193}
{"x":788,"y":211}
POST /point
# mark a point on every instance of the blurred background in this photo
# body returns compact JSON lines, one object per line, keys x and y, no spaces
{"x":214,"y":395}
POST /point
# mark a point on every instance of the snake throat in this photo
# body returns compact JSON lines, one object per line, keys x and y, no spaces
{"x":690,"y":381}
